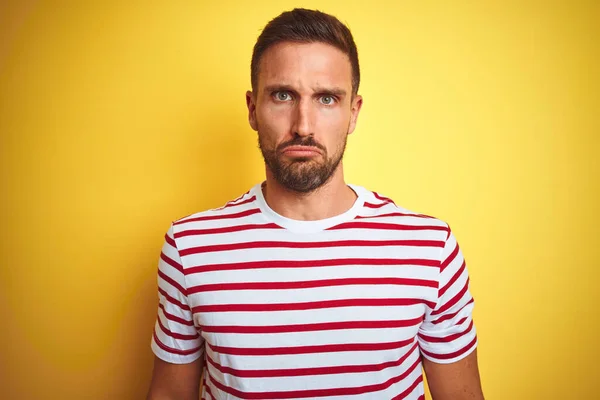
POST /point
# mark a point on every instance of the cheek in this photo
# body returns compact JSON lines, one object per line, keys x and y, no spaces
{"x":333,"y":118}
{"x":274,"y":115}
{"x":269,"y":129}
{"x":333,"y":125}
{"x":273,"y":123}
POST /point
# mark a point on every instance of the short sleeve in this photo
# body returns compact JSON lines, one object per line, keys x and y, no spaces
{"x":447,"y":333}
{"x":175,"y":339}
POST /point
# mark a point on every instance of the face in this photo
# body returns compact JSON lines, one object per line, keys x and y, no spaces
{"x":303,"y":111}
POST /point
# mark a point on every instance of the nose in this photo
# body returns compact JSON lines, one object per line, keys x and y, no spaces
{"x":303,"y":119}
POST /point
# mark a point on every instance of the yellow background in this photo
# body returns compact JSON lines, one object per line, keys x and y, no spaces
{"x":117,"y":119}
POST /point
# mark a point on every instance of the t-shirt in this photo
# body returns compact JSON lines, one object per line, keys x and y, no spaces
{"x":339,"y":308}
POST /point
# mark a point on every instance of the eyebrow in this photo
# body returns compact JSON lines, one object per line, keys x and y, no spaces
{"x":287,"y":88}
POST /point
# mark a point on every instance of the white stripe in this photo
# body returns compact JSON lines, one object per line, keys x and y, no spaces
{"x":312,"y":294}
{"x":323,"y":253}
{"x":300,"y":274}
{"x":329,"y":381}
{"x":293,"y":317}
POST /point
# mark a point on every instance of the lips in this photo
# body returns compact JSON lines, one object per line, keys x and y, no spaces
{"x":303,"y":151}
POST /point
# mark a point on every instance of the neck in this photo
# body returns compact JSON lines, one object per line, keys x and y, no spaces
{"x":331,"y":199}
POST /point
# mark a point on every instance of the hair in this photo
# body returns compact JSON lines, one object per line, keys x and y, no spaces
{"x":306,"y":26}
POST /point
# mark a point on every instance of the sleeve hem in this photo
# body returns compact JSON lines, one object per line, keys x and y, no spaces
{"x":453,"y":359}
{"x":174,"y":358}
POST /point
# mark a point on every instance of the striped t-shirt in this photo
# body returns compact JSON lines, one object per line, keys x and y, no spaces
{"x":339,"y":308}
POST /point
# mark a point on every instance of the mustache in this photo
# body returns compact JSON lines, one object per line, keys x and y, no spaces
{"x":299,"y":141}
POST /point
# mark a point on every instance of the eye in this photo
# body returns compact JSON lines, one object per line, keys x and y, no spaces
{"x":283,"y":96}
{"x":327,"y":100}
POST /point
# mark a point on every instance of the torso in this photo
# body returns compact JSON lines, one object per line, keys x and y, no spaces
{"x":289,"y":309}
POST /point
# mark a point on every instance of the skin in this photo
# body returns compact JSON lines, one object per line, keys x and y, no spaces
{"x":456,"y":381}
{"x":175,"y":381}
{"x":305,"y":93}
{"x":303,"y":109}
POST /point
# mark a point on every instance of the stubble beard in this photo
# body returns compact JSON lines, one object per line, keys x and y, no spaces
{"x":302,"y":175}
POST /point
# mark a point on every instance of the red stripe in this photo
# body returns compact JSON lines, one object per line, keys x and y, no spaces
{"x":379,"y":205}
{"x":321,"y":326}
{"x":173,"y":300}
{"x":210,"y":383}
{"x":221,"y":216}
{"x":172,"y":350}
{"x":207,"y":389}
{"x":238,"y":198}
{"x":235,"y":203}
{"x":449,"y":259}
{"x":183,"y":219}
{"x":453,"y":301}
{"x":169,"y":240}
{"x":310,"y":245}
{"x":326,"y":348}
{"x":450,"y":316}
{"x":171,"y":262}
{"x":172,"y":282}
{"x":313,"y":305}
{"x":453,"y":279}
{"x":448,"y":338}
{"x":454,"y":354}
{"x":309,"y":263}
{"x":311,"y":284}
{"x":383,"y":198}
{"x":410,"y":389}
{"x":175,"y":335}
{"x":174,"y":317}
{"x":388,"y":226}
{"x":227,"y":229}
{"x":343,"y":369}
{"x":396,"y":214}
{"x":300,"y":394}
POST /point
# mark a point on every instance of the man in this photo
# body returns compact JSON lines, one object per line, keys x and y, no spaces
{"x":306,"y":287}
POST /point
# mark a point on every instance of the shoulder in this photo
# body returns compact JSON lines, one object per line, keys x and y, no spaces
{"x":242,"y":206}
{"x":379,"y":207}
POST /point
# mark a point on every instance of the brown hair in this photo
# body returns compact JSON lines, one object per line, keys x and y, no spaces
{"x":306,"y":26}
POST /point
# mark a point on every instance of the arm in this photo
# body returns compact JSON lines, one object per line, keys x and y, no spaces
{"x":447,"y":336}
{"x":456,"y":381}
{"x":175,"y":381}
{"x":176,"y":342}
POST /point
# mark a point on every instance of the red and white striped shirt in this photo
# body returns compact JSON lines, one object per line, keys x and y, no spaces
{"x":340,"y":308}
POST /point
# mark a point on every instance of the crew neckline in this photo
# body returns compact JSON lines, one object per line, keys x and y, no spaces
{"x":300,"y":226}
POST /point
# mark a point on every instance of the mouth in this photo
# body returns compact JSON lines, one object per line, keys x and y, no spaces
{"x":301,"y":151}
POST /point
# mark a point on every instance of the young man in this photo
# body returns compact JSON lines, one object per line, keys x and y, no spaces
{"x":307,"y":287}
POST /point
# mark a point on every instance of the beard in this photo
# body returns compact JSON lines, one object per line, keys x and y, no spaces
{"x":302,"y":175}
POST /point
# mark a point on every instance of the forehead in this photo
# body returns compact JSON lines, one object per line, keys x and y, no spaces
{"x":305,"y":65}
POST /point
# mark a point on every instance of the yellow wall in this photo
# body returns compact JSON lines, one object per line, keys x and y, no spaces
{"x":117,"y":119}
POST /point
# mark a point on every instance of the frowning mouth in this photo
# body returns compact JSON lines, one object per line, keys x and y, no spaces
{"x":301,"y":151}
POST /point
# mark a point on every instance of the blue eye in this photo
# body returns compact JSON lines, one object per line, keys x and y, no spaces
{"x":327,"y":100}
{"x":282,"y":96}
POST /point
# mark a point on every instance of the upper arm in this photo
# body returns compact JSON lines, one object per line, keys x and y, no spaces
{"x":455,"y":381}
{"x":175,"y":381}
{"x":176,"y":342}
{"x":447,"y":336}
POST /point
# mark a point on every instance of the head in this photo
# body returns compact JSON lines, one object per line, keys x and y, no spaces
{"x":304,"y":100}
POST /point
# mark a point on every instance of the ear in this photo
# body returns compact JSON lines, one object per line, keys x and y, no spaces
{"x":356,"y":106}
{"x":251,"y":104}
